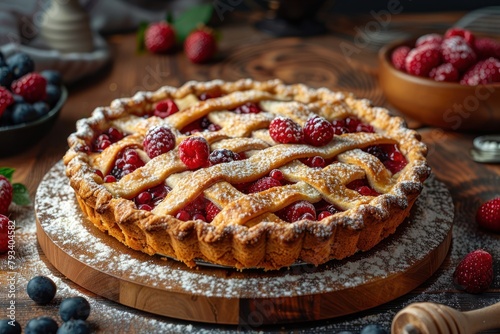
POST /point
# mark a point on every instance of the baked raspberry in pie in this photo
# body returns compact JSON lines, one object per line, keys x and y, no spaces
{"x":246,"y":174}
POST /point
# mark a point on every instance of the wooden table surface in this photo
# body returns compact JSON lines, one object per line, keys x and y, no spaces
{"x":245,"y":52}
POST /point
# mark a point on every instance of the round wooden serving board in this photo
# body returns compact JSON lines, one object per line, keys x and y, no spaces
{"x":163,"y":286}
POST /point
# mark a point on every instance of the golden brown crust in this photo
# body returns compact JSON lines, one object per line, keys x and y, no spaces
{"x":244,"y":235}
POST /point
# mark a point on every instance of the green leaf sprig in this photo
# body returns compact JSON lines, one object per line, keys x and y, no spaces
{"x":20,"y":194}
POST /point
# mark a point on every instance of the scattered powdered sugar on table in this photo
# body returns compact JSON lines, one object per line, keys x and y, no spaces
{"x":302,"y":279}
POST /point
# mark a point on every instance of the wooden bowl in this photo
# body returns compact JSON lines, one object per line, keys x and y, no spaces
{"x":17,"y":138}
{"x":445,"y":105}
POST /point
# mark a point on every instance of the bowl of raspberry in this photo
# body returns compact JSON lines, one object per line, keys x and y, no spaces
{"x":449,"y":80}
{"x":30,"y":102}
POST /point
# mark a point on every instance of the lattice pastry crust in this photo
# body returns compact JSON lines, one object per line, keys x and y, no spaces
{"x":248,"y":232}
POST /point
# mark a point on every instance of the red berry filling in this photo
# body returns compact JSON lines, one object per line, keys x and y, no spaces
{"x":248,"y":108}
{"x":158,"y":140}
{"x":314,"y":162}
{"x":350,"y":125}
{"x":127,"y":161}
{"x":199,"y":209}
{"x":210,"y":95}
{"x":262,"y":184}
{"x":389,"y":155}
{"x":363,"y":187}
{"x":4,"y":234}
{"x":151,"y":197}
{"x":194,"y":152}
{"x":199,"y":125}
{"x":165,"y":108}
{"x":220,"y":156}
{"x":297,"y":211}
{"x":318,"y":131}
{"x":105,"y":139}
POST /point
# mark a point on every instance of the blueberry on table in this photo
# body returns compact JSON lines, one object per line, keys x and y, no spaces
{"x":41,"y":289}
{"x":53,"y":77}
{"x":373,"y":329}
{"x":20,"y":64}
{"x":74,"y":327}
{"x":74,"y":308}
{"x":23,"y":113}
{"x":41,"y":325}
{"x":8,"y":326}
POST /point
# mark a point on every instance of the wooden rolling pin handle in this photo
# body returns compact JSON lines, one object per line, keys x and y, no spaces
{"x":484,"y":318}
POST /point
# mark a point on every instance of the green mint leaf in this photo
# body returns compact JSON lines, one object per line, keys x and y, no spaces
{"x":169,"y":18}
{"x":192,"y":18}
{"x":141,"y":30}
{"x":7,"y":172}
{"x":20,"y":194}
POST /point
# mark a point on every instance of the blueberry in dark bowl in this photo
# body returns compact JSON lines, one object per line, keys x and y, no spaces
{"x":23,"y":113}
{"x":41,"y":289}
{"x":20,"y":64}
{"x":53,"y":77}
{"x":53,"y":94}
{"x":6,"y":76}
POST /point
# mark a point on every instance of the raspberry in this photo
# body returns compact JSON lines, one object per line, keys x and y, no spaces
{"x":300,"y":210}
{"x":465,"y":34}
{"x":211,"y":211}
{"x":486,"y":48}
{"x":285,"y":131}
{"x":222,"y":156}
{"x":6,"y":191}
{"x":194,"y":152}
{"x":6,"y":99}
{"x":339,"y":127}
{"x":262,"y":184}
{"x":398,"y":57}
{"x":421,"y":60}
{"x":488,"y":215}
{"x":158,"y":140}
{"x":445,"y":72}
{"x":32,"y":87}
{"x":474,"y":273}
{"x":159,"y":37}
{"x":318,"y":131}
{"x":248,"y":108}
{"x":429,"y":39}
{"x":484,"y":72}
{"x":200,"y":46}
{"x":458,"y":53}
{"x":4,"y":234}
{"x":314,"y":162}
{"x":165,"y":108}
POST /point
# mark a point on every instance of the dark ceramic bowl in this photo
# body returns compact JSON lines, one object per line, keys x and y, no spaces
{"x":445,"y":105}
{"x":17,"y":138}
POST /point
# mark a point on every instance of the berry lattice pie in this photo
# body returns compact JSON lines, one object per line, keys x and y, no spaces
{"x":246,"y":174}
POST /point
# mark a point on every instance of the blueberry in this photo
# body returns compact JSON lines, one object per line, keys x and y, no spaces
{"x":74,"y":308}
{"x":52,"y":76}
{"x":42,"y":108}
{"x":18,"y":98}
{"x":373,"y":329}
{"x":41,"y":325}
{"x":20,"y":64}
{"x":74,"y":327}
{"x":53,"y":94}
{"x":8,"y":326}
{"x":6,"y":76}
{"x":23,"y":113}
{"x":2,"y":60}
{"x":41,"y":289}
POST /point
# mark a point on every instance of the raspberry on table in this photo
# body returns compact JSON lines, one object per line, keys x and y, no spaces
{"x":165,"y":108}
{"x":458,"y":52}
{"x":286,"y":131}
{"x":318,"y":131}
{"x":474,"y":273}
{"x":32,"y":87}
{"x":159,"y":37}
{"x":488,"y":215}
{"x":6,"y":192}
{"x":194,"y":152}
{"x":158,"y":140}
{"x":76,"y":308}
{"x":398,"y":57}
{"x":262,"y":184}
{"x":421,"y":60}
{"x":200,"y":46}
{"x":484,"y":72}
{"x":445,"y":72}
{"x":429,"y":39}
{"x":41,"y":289}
